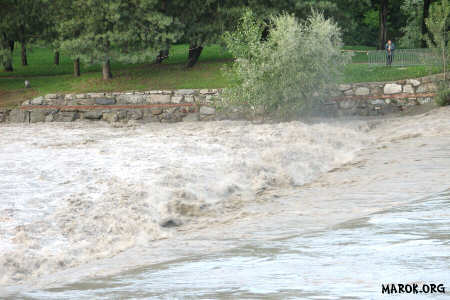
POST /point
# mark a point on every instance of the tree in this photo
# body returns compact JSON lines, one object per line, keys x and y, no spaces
{"x":437,"y":27}
{"x":21,"y":21}
{"x":6,"y":52}
{"x":66,"y":30}
{"x":50,"y":35}
{"x":201,"y":23}
{"x":382,"y":34}
{"x":412,"y":31}
{"x":29,"y":17}
{"x":7,"y":34}
{"x":352,"y":16}
{"x":61,"y":28}
{"x":426,"y":9}
{"x":163,"y":53}
{"x":127,"y":31}
{"x":297,"y":65}
{"x":204,"y":21}
{"x":358,"y":20}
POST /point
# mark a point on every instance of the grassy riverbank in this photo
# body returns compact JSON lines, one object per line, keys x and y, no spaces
{"x":45,"y":77}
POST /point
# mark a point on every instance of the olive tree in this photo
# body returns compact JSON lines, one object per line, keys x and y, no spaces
{"x":297,"y":65}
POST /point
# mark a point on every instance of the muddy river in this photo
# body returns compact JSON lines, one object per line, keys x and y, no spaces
{"x":225,"y":210}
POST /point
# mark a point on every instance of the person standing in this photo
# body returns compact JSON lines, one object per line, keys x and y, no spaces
{"x":390,"y":48}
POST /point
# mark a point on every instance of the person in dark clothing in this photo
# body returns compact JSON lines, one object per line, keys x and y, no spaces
{"x":390,"y":48}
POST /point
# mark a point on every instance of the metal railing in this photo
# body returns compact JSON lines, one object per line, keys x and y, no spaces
{"x":404,"y":57}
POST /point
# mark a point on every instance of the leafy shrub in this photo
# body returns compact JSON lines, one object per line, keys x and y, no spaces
{"x":281,"y":76}
{"x":443,"y":96}
{"x":437,"y":24}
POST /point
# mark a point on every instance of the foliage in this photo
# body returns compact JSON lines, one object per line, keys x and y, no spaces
{"x":199,"y":20}
{"x":298,"y":64}
{"x":7,"y":32}
{"x":412,"y":31}
{"x":371,"y":19}
{"x":41,"y":64}
{"x":125,"y":31}
{"x":45,"y":77}
{"x":29,"y":17}
{"x":443,"y":96}
{"x":60,"y":11}
{"x":437,"y":25}
{"x":5,"y":52}
{"x":22,"y":21}
{"x":136,"y":30}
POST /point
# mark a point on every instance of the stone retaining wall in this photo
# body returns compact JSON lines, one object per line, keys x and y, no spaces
{"x":150,"y":106}
{"x":375,"y":98}
{"x":364,"y":99}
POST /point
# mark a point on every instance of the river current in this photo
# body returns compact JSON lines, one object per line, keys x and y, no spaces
{"x":224,"y":210}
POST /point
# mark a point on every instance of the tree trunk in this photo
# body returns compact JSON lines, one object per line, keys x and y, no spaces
{"x":56,"y":60}
{"x":24,"y":54}
{"x":426,"y":10}
{"x":7,"y":60}
{"x":11,"y":46}
{"x":7,"y":64}
{"x":163,"y":54}
{"x":382,"y":36}
{"x":194,"y":54}
{"x":76,"y":68}
{"x":107,"y":75}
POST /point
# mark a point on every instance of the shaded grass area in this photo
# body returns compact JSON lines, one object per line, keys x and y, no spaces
{"x":359,"y":57}
{"x":206,"y":74}
{"x":144,"y":77}
{"x":40,"y":61}
{"x":46,"y":78}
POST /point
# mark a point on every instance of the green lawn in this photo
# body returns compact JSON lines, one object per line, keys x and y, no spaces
{"x":40,"y":61}
{"x":45,"y":77}
{"x":359,"y":57}
{"x":367,"y":73}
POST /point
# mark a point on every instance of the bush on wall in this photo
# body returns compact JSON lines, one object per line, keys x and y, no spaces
{"x":282,"y":75}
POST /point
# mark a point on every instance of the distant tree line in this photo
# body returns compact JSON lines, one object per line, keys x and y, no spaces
{"x":99,"y":31}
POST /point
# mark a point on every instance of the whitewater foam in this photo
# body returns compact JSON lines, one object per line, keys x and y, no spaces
{"x":73,"y":193}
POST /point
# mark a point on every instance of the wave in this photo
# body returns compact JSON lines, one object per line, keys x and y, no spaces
{"x":74,"y":193}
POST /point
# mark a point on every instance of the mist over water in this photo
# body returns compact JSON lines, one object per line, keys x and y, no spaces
{"x":291,"y":199}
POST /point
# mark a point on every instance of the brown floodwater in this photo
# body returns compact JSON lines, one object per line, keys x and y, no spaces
{"x":308,"y":211}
